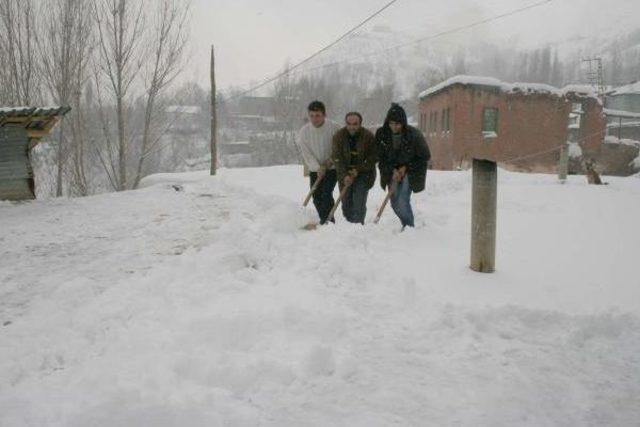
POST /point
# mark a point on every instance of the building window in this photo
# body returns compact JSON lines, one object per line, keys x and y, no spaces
{"x":490,"y":122}
{"x":446,"y":119}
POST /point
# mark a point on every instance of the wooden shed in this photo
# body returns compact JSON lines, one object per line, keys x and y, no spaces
{"x":21,"y":129}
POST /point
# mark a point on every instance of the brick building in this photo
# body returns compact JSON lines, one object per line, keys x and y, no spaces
{"x":520,"y":126}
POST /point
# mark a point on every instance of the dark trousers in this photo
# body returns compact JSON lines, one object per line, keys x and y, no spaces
{"x":354,"y":205}
{"x":323,"y":196}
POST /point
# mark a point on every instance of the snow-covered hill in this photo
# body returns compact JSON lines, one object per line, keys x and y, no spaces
{"x":198,"y":301}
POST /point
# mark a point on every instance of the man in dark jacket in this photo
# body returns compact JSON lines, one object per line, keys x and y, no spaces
{"x":354,"y":156}
{"x":403,"y":155}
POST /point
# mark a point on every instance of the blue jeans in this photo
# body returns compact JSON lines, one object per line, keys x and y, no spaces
{"x":401,"y":203}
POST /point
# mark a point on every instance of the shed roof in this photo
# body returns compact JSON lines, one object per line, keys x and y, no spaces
{"x":38,"y":121}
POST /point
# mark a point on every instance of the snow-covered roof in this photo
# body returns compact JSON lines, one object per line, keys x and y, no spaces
{"x":33,"y":111}
{"x":584,"y":90}
{"x":37,"y":120}
{"x":494,"y":83}
{"x":4,"y":110}
{"x":633,"y":88}
{"x":620,"y":113}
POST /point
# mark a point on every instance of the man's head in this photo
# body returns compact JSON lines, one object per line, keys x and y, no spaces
{"x":396,"y":127}
{"x":353,"y":122}
{"x":396,"y":118}
{"x":317,"y":113}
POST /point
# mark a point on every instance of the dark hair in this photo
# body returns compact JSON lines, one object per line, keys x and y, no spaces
{"x":353,"y":113}
{"x":396,"y":114}
{"x":317,"y":106}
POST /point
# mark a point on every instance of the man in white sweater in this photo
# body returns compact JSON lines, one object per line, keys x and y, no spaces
{"x":315,"y":143}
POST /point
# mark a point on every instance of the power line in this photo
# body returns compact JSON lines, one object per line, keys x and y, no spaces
{"x":324,"y":49}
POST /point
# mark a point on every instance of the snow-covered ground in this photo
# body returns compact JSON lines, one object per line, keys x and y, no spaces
{"x":198,"y":301}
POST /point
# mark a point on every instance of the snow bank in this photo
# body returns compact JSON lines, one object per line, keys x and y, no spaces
{"x":526,"y":88}
{"x":208,"y":306}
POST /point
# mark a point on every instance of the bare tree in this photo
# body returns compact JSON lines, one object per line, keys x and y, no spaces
{"x":64,"y":56}
{"x":167,"y":41}
{"x":18,"y":72}
{"x":120,"y":34}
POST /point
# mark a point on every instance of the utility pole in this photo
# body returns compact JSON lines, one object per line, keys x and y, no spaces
{"x":483,"y":216}
{"x":595,"y":74}
{"x":563,"y":165}
{"x":214,"y":120}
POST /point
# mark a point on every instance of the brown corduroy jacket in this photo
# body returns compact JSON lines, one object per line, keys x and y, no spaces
{"x":366,"y":148}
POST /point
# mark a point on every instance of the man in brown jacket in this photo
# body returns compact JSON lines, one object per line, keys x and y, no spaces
{"x":354,"y":156}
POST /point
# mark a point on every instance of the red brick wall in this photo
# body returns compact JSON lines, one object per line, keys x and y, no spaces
{"x":527,"y":124}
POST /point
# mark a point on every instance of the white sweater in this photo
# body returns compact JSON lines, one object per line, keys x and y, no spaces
{"x":315,"y":144}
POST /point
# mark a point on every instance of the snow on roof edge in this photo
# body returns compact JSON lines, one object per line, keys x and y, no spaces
{"x":630,"y":89}
{"x":620,"y":113}
{"x":493,"y":82}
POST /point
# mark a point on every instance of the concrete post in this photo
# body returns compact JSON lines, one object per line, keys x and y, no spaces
{"x":483,"y":216}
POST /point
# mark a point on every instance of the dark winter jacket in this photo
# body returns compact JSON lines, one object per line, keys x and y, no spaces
{"x":413,"y":153}
{"x":365,"y":160}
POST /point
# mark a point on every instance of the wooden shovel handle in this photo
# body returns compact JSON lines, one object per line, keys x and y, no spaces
{"x":315,"y":186}
{"x":392,"y":189}
{"x":335,"y":206}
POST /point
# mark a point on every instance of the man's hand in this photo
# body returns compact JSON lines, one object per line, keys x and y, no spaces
{"x":348,"y":180}
{"x":322,"y":171}
{"x":353,"y":173}
{"x":397,"y":176}
{"x":403,"y":171}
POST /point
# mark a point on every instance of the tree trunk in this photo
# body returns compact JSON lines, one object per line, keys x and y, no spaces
{"x":214,"y":123}
{"x":60,"y":159}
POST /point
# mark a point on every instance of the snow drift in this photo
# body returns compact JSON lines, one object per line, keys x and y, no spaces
{"x":199,"y":301}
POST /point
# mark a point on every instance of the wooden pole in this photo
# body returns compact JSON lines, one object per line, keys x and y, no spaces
{"x":214,"y":121}
{"x":619,"y":127}
{"x":483,"y":216}
{"x":563,"y":166}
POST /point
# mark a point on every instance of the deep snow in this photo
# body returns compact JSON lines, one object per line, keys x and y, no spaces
{"x":198,"y":301}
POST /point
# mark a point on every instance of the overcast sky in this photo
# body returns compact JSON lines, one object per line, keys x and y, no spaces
{"x":254,"y":38}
